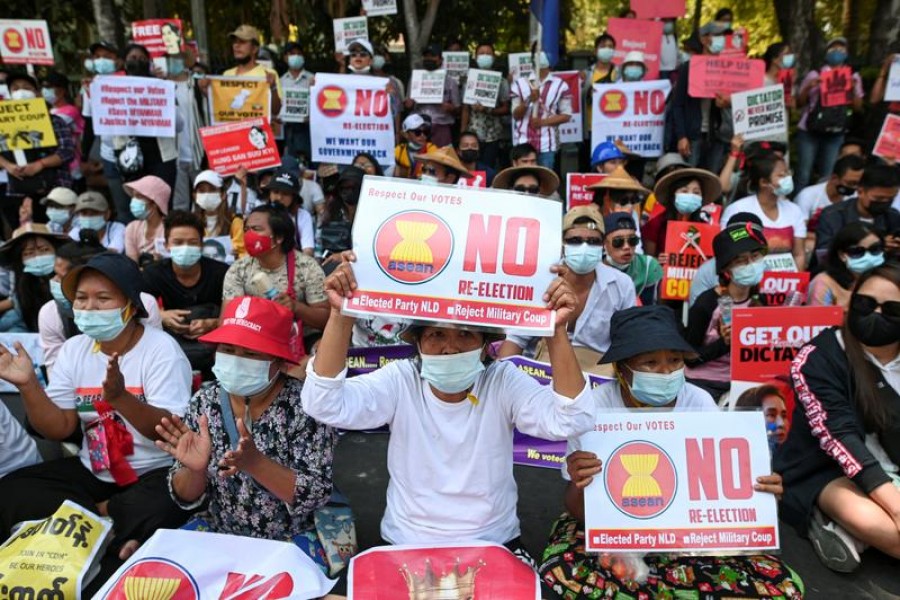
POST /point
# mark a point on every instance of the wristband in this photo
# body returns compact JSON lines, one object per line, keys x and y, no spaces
{"x":734,"y":154}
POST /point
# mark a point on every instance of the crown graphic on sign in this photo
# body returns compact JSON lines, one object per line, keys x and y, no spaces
{"x":150,"y":588}
{"x":454,"y":585}
{"x":413,"y":247}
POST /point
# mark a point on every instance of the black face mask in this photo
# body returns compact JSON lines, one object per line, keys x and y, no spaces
{"x":879,"y":208}
{"x":430,"y":65}
{"x":845,"y":191}
{"x":137,"y":67}
{"x":873,"y":329}
{"x":349,"y":195}
{"x":468,"y":156}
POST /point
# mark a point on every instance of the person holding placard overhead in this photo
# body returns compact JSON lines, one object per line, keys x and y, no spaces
{"x":649,"y":355}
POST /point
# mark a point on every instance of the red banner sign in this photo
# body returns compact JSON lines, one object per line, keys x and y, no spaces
{"x":577,"y":193}
{"x":888,"y":144}
{"x":658,"y":9}
{"x":161,"y":37}
{"x":638,"y":34}
{"x":712,"y":75}
{"x":249,"y":144}
{"x":737,"y":42}
{"x":477,"y":180}
{"x":688,"y":245}
{"x":836,"y":87}
{"x":780,"y":288}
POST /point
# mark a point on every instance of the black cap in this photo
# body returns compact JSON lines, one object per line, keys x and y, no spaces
{"x":119,"y":269}
{"x":618,"y":220}
{"x":22,"y":76}
{"x":290,"y":47}
{"x":736,"y":239}
{"x":105,"y":45}
{"x":641,"y":329}
{"x":56,"y":79}
{"x":432,"y":50}
{"x":284,"y":181}
{"x":352,"y":173}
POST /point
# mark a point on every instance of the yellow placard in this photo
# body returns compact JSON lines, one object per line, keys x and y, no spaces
{"x":238,"y":98}
{"x":52,"y":555}
{"x":25,"y":125}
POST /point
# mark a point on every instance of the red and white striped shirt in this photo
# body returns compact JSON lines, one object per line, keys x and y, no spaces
{"x":555,"y":99}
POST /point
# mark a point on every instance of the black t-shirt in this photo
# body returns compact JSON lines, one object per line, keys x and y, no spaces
{"x":160,"y":282}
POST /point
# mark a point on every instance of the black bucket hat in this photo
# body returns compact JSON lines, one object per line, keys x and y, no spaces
{"x":736,"y":239}
{"x":116,"y":267}
{"x":641,"y":329}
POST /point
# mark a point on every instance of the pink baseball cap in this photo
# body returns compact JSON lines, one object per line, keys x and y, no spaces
{"x":153,"y":188}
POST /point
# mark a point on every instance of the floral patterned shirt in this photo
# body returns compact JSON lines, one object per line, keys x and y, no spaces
{"x":239,"y":505}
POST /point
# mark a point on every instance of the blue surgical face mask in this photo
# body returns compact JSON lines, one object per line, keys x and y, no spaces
{"x":104,"y":66}
{"x":378,"y":62}
{"x":835,"y":58}
{"x":296,"y":61}
{"x":668,"y":28}
{"x":632,"y":73}
{"x":89,"y":65}
{"x":139,"y":208}
{"x":582,"y":258}
{"x":60,"y":216}
{"x":185,"y":256}
{"x":750,"y":274}
{"x":57,"y":293}
{"x":49,"y":95}
{"x":40,"y":265}
{"x":100,"y":325}
{"x":656,"y":389}
{"x":866,"y":262}
{"x":605,"y":55}
{"x":787,"y":61}
{"x":176,"y":67}
{"x":95,"y":222}
{"x":451,"y":373}
{"x":484,"y":61}
{"x":717,"y":44}
{"x":242,"y":376}
{"x":687,"y":204}
{"x":785,"y":186}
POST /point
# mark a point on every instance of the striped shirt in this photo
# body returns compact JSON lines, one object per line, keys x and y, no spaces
{"x":555,"y":99}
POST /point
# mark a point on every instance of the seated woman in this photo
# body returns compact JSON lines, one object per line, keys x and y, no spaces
{"x":840,"y":460}
{"x":856,"y":249}
{"x":687,"y":195}
{"x":245,"y":449}
{"x":118,"y":379}
{"x":92,"y":212}
{"x":150,"y":199}
{"x":451,"y":414}
{"x":30,"y":253}
{"x":210,"y":206}
{"x":620,"y":244}
{"x":648,"y":355}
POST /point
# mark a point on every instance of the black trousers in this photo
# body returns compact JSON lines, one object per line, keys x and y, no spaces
{"x":137,"y":510}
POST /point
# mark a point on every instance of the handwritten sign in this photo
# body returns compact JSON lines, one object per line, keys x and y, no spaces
{"x":24,"y":42}
{"x":349,"y":29}
{"x":711,"y":75}
{"x":688,"y":245}
{"x":380,"y":8}
{"x":25,"y":125}
{"x":760,"y":114}
{"x":455,"y":63}
{"x":249,"y":143}
{"x":427,"y":87}
{"x":482,"y":88}
{"x":836,"y":87}
{"x":138,"y":106}
{"x":888,"y":144}
{"x":637,"y":34}
{"x":238,"y":98}
{"x":577,"y":193}
{"x":634,"y":113}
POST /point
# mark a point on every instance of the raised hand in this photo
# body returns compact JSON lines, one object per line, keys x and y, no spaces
{"x":560,"y":297}
{"x":114,"y":384}
{"x":16,"y":366}
{"x":244,"y":458}
{"x":192,"y":449}
{"x":341,"y":283}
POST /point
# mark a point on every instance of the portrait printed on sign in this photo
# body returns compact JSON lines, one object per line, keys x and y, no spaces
{"x":258,"y":138}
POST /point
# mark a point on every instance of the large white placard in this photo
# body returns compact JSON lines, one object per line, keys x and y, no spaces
{"x":347,"y":30}
{"x":427,"y":87}
{"x":482,"y":87}
{"x":380,"y":8}
{"x":450,"y":255}
{"x":760,"y":114}
{"x":520,"y":65}
{"x":634,"y":113}
{"x":455,"y":63}
{"x":24,"y":42}
{"x":134,"y":106}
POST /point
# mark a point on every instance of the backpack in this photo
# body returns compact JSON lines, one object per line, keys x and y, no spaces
{"x":828,"y":119}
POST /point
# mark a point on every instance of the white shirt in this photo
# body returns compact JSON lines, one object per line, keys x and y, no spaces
{"x":554,"y":100}
{"x":17,"y":448}
{"x":304,"y":230}
{"x":668,"y":53}
{"x":789,"y":214}
{"x":450,"y":463}
{"x":156,"y":371}
{"x":312,"y":195}
{"x":184,"y":98}
{"x":113,"y":237}
{"x":812,"y":199}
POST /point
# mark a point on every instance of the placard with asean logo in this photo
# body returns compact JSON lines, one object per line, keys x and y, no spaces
{"x":442,"y":254}
{"x":679,"y":482}
{"x":24,"y":42}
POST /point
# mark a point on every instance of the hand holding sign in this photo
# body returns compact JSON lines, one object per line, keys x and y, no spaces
{"x":560,"y":297}
{"x":341,"y":283}
{"x":582,"y":466}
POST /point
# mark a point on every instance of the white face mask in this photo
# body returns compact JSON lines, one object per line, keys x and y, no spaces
{"x":452,"y":373}
{"x":23,"y":95}
{"x":209,"y":201}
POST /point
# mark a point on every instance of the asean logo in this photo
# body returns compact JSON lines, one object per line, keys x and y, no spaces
{"x":413,"y":246}
{"x":640,"y":479}
{"x":613,"y":103}
{"x":157,"y":579}
{"x":12,"y":39}
{"x":332,"y":101}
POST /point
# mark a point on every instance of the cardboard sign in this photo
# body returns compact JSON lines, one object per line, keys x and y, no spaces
{"x":482,"y":87}
{"x":237,"y":98}
{"x":888,"y":144}
{"x":711,"y":75}
{"x":836,"y":87}
{"x":572,"y":132}
{"x":520,"y":65}
{"x":51,"y":558}
{"x":295,"y":102}
{"x":347,"y":30}
{"x":161,"y":37}
{"x":25,"y":125}
{"x":678,"y":482}
{"x":138,"y":106}
{"x":892,"y":86}
{"x":632,"y":112}
{"x":637,"y":34}
{"x":760,"y":114}
{"x":688,"y":245}
{"x":478,"y":180}
{"x":436,"y":254}
{"x":380,"y":8}
{"x":249,"y":143}
{"x":455,"y":63}
{"x":427,"y":87}
{"x":350,"y":114}
{"x":180,"y":564}
{"x":780,"y":288}
{"x":467,"y":570}
{"x":658,"y":9}
{"x":577,"y":193}
{"x":25,"y":42}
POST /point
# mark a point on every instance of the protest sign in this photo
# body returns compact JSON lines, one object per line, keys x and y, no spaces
{"x":214,"y":565}
{"x":465,"y":570}
{"x":455,"y":63}
{"x":520,"y":65}
{"x":32,"y":344}
{"x":237,"y":98}
{"x":219,"y":248}
{"x":634,"y":113}
{"x":892,"y":86}
{"x":711,"y":75}
{"x":53,"y":557}
{"x":350,"y":114}
{"x":161,"y":37}
{"x":295,"y":106}
{"x":25,"y":125}
{"x":888,"y":144}
{"x":679,"y":481}
{"x":249,"y":143}
{"x":736,"y":42}
{"x":836,"y":87}
{"x":658,"y":9}
{"x":349,"y":29}
{"x":427,"y":87}
{"x":688,"y":245}
{"x":482,"y":87}
{"x":577,"y":193}
{"x":133,"y":106}
{"x":362,"y":360}
{"x":572,"y":132}
{"x":380,"y":8}
{"x":4,"y":91}
{"x":439,"y":255}
{"x":786,"y":79}
{"x":760,"y":114}
{"x":782,"y":287}
{"x":477,"y":180}
{"x":24,"y":42}
{"x":637,"y":34}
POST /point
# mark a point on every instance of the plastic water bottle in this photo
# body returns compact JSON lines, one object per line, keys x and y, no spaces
{"x":725,"y":305}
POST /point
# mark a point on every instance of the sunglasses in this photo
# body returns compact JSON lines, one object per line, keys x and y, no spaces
{"x":429,"y":170}
{"x":359,"y":54}
{"x":631,"y":240}
{"x":859,"y":251}
{"x":528,"y":189}
{"x":418,"y":131}
{"x":578,"y":240}
{"x":627,"y":200}
{"x":866,"y":305}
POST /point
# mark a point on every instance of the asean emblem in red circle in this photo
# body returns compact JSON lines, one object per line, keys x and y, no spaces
{"x":413,"y":246}
{"x":12,"y":39}
{"x":640,"y":479}
{"x":155,"y":578}
{"x":332,"y":101}
{"x":613,"y":103}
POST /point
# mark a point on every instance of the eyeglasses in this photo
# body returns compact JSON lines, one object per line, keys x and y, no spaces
{"x":631,"y":240}
{"x":578,"y":240}
{"x":528,"y":189}
{"x":859,"y":251}
{"x":429,"y":170}
{"x":418,"y":131}
{"x":866,"y":305}
{"x":359,"y":54}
